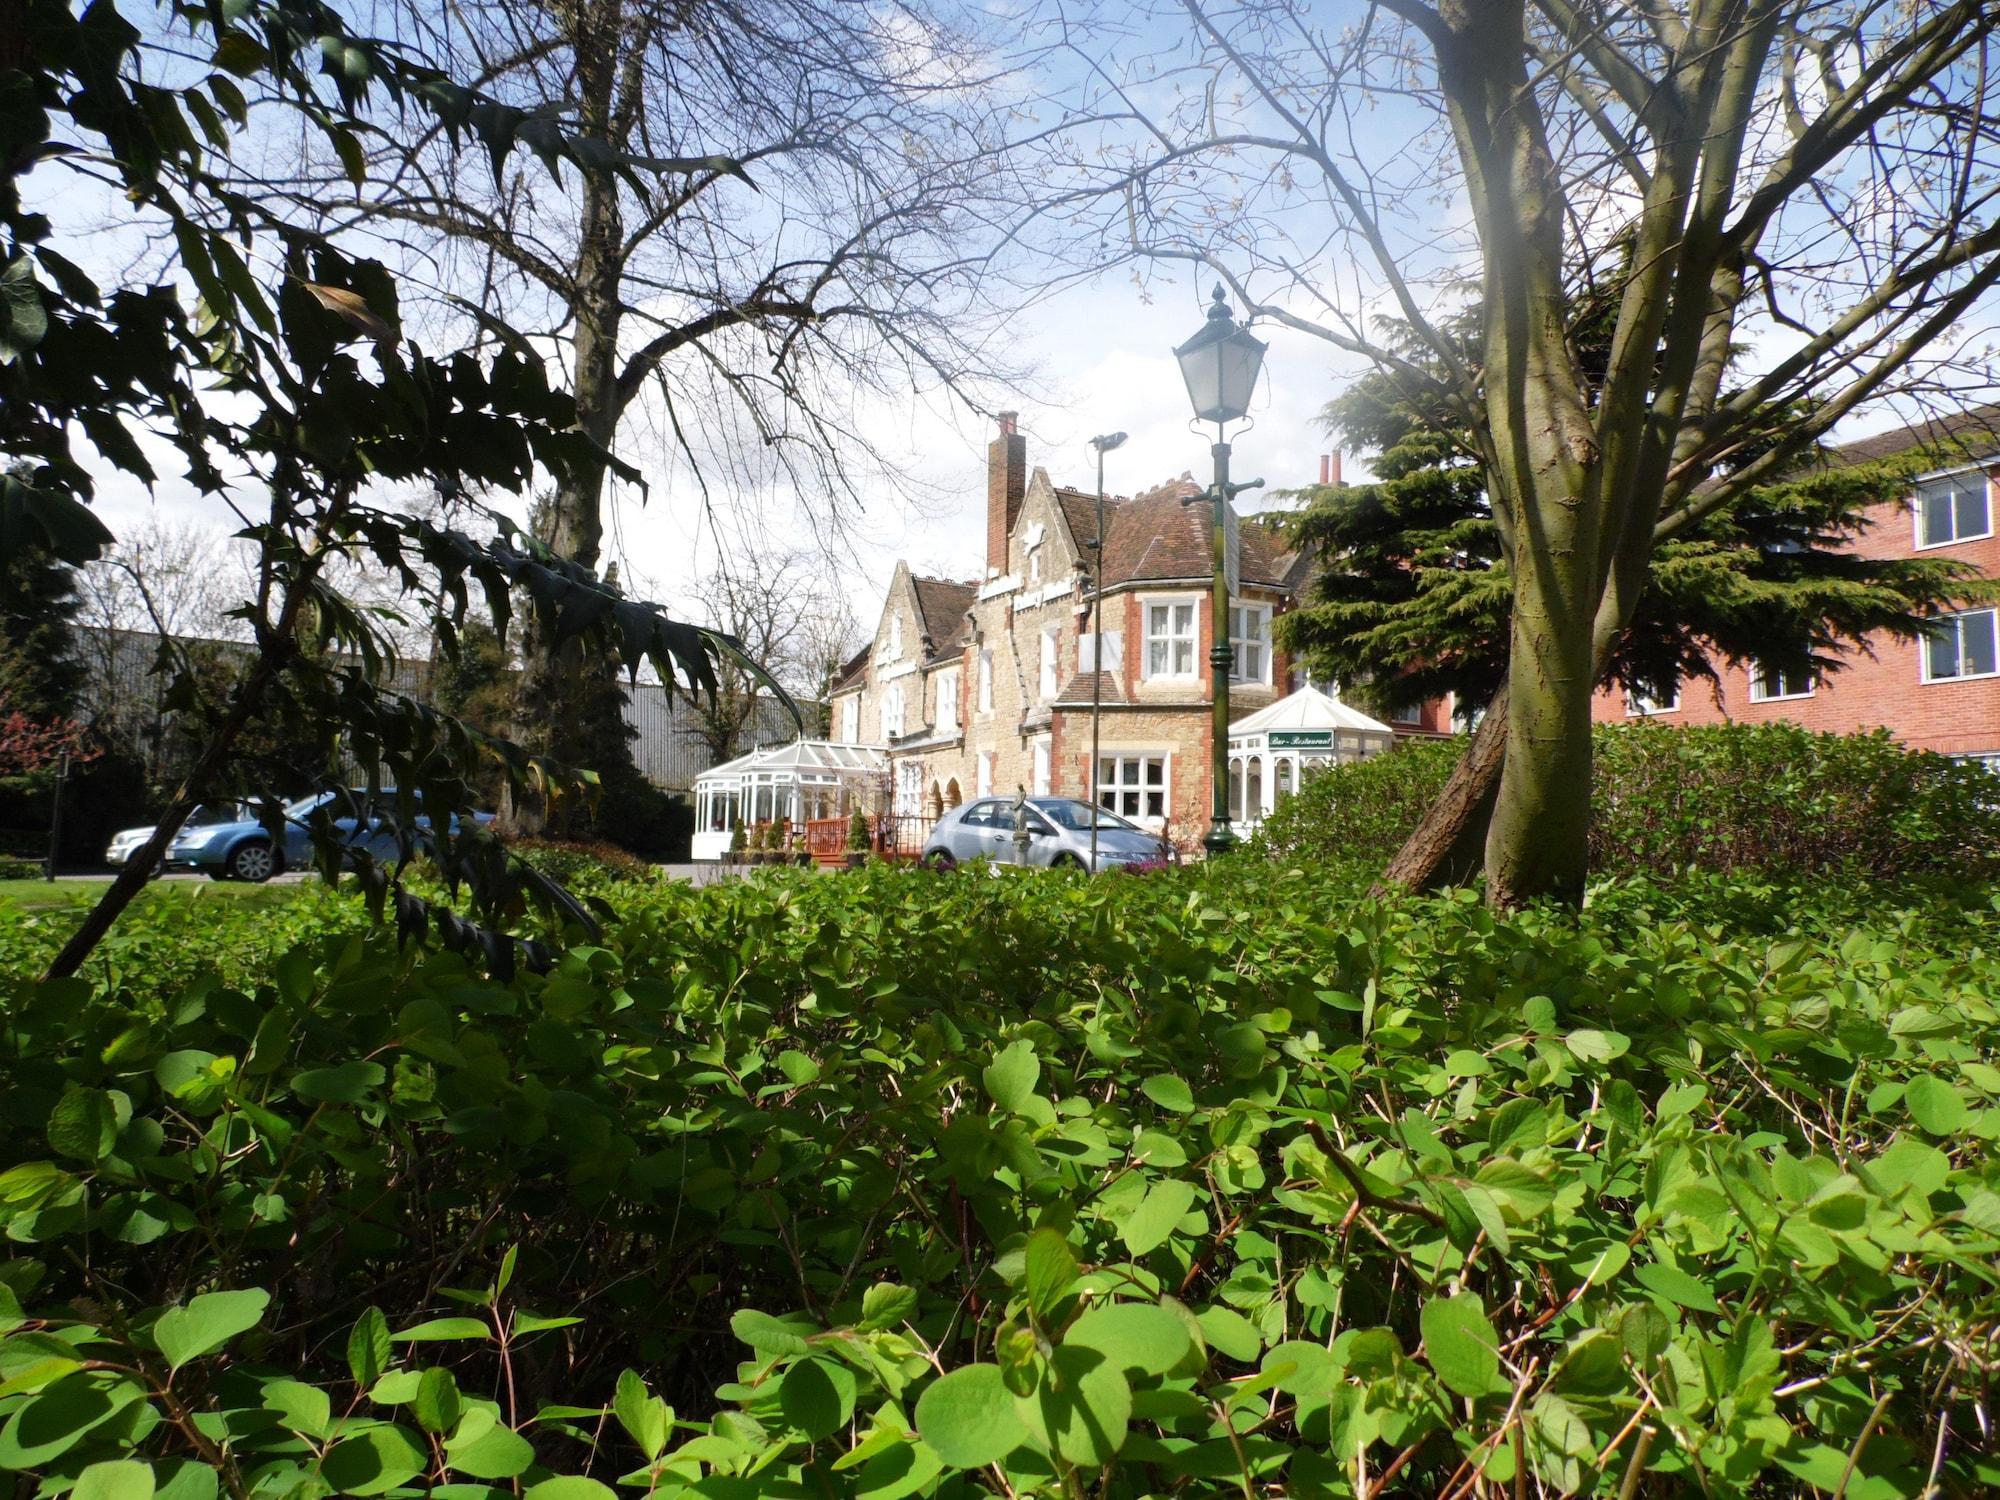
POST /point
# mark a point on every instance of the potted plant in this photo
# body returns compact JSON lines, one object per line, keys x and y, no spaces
{"x":801,"y":855}
{"x":857,"y":840}
{"x":739,"y":842}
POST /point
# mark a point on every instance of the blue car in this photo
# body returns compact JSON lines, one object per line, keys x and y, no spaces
{"x":243,"y":850}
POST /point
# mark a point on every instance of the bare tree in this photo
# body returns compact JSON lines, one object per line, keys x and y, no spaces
{"x":838,"y":160}
{"x":791,"y":616}
{"x":1806,"y":184}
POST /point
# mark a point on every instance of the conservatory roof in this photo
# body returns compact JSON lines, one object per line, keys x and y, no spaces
{"x":802,"y":757}
{"x":1308,"y":708}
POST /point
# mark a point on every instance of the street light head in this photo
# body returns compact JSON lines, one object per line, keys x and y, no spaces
{"x":1108,"y":441}
{"x":1220,"y":365}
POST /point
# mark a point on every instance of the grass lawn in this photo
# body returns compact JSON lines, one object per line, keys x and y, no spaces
{"x":39,"y":895}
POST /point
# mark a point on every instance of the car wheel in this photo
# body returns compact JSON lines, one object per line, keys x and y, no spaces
{"x":941,"y":861}
{"x":253,"y":862}
{"x":1066,"y":862}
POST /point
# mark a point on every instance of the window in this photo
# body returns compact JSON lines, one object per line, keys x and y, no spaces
{"x":1049,"y":657}
{"x":1035,"y":567}
{"x":850,"y":715}
{"x":1953,"y":508}
{"x":1044,"y":767}
{"x":1134,"y":785}
{"x":947,"y":698}
{"x":982,"y":814}
{"x":892,"y":712}
{"x":895,"y":637}
{"x":1644,"y":705}
{"x":1410,"y":714}
{"x":1770,"y":682}
{"x":983,"y":784}
{"x":1170,"y":638}
{"x":986,"y":681}
{"x":1250,"y":637}
{"x":1962,"y":646}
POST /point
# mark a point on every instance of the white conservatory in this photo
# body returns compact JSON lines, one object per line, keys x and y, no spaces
{"x":804,"y":782}
{"x":1272,"y":751}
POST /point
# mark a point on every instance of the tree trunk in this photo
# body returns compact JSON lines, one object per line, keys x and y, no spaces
{"x":1538,"y":841}
{"x":1449,"y":846}
{"x":572,"y":703}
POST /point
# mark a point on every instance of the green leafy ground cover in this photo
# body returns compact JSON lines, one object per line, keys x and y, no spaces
{"x":1222,"y":1182}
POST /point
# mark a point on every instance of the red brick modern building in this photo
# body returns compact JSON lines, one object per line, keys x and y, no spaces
{"x":1939,"y":694}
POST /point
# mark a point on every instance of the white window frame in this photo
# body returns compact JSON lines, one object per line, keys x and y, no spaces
{"x":1044,"y":763}
{"x":986,"y":680}
{"x":892,"y":712}
{"x":1759,"y":693}
{"x":1917,"y":509}
{"x":1957,"y":624}
{"x":1262,"y":641}
{"x":850,"y":720}
{"x":1147,"y":604}
{"x":1637,"y":707}
{"x":1127,"y":785}
{"x":1087,"y":649}
{"x":895,"y":637}
{"x":947,"y":698}
{"x":1409,"y":716}
{"x":982,"y":776}
{"x":1051,"y":678}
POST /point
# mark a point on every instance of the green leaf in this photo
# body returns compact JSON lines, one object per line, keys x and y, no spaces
{"x":885,"y":1304}
{"x":116,"y":1479}
{"x":84,"y":1125}
{"x":1597,"y":1046}
{"x":1011,"y":1076}
{"x":817,"y":1397}
{"x":300,"y":1407}
{"x":1676,"y":1286}
{"x":350,"y":1083}
{"x":1133,"y":1335}
{"x":647,"y":1420}
{"x":436,"y":1330}
{"x":1080,"y":1409}
{"x":375,"y":1460}
{"x":207,"y":1323}
{"x":186,"y":1479}
{"x":570,"y":1487}
{"x":1461,"y":1345}
{"x":1051,"y":1270}
{"x":60,"y":1416}
{"x":485,"y":1448}
{"x":766,"y":1334}
{"x":368,"y":1348}
{"x":969,"y":1417}
{"x":1934,"y":1104}
{"x":1147,"y":1227}
{"x":436,"y":1406}
{"x":1170,"y":1092}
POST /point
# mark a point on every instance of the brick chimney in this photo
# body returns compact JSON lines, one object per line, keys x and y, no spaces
{"x":1329,"y":467}
{"x":1006,"y":486}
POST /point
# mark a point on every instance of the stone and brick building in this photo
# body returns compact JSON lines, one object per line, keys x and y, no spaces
{"x":1941,"y":693}
{"x":979,"y":685}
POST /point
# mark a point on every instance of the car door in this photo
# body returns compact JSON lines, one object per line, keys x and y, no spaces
{"x":974,"y":836}
{"x":1044,"y":839}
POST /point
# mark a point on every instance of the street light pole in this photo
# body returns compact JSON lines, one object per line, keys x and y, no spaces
{"x":1220,"y":365}
{"x":1103,"y":445}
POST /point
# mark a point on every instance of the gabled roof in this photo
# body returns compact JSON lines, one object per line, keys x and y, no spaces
{"x":809,"y":756}
{"x":1977,"y":427}
{"x":1159,"y":534}
{"x":941,"y":607}
{"x":853,"y":672}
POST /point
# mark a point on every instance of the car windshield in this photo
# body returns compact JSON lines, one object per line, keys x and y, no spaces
{"x":1074,"y":814}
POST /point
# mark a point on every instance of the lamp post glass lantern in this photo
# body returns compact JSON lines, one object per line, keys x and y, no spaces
{"x":1103,"y":445}
{"x":1220,"y":365}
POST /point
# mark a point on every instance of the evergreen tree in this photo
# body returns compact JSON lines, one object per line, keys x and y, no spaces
{"x":1413,"y":599}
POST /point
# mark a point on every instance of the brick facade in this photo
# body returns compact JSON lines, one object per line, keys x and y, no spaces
{"x":1885,"y":684}
{"x":1032,"y":728}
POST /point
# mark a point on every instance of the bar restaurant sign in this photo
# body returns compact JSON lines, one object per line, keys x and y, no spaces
{"x":1301,"y":739}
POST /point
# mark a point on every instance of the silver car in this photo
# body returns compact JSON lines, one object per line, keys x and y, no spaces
{"x":1058,"y":836}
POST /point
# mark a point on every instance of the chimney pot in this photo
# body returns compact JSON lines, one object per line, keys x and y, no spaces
{"x":1336,"y":467}
{"x":1326,"y":468}
{"x":1008,"y":421}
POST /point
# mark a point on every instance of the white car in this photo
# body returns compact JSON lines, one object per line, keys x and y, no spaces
{"x":128,"y":841}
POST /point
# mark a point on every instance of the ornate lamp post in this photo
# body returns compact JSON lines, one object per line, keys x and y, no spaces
{"x":1103,"y":445}
{"x":1220,"y":365}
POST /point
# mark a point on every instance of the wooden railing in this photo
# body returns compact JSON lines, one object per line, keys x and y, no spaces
{"x":826,"y":840}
